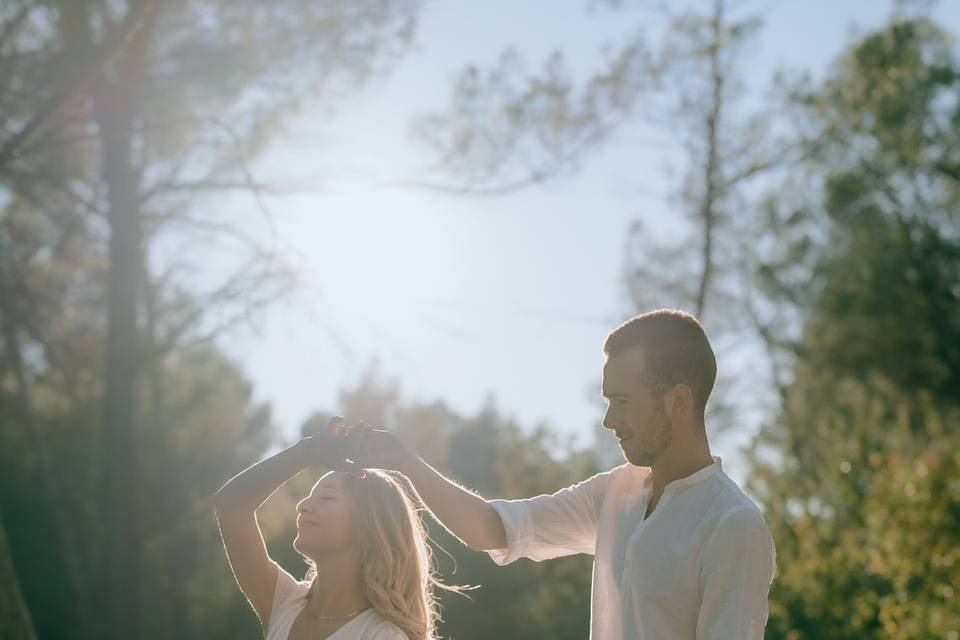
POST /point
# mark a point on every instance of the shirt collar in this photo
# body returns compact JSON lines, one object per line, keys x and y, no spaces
{"x":696,"y":477}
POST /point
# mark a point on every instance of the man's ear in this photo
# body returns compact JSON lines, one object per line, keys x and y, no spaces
{"x":678,"y":400}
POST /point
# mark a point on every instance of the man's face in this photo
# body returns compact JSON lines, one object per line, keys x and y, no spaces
{"x":639,"y":420}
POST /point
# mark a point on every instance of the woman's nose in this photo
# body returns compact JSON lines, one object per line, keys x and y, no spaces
{"x":303,"y":506}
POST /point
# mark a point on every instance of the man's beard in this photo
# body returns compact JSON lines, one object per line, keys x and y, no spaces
{"x":649,"y":449}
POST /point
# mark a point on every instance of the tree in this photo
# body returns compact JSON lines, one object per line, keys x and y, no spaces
{"x":857,"y":472}
{"x":679,"y":86}
{"x":508,"y":129}
{"x":868,"y":229}
{"x":865,"y":517}
{"x":116,"y":115}
{"x":206,"y":427}
{"x":14,"y":616}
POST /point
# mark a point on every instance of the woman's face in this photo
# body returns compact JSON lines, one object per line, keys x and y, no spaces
{"x":325,"y":518}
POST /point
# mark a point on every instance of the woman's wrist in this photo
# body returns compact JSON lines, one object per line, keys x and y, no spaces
{"x":250,"y":488}
{"x":307,"y":451}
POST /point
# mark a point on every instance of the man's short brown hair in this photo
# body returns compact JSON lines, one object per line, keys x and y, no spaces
{"x":675,"y":350}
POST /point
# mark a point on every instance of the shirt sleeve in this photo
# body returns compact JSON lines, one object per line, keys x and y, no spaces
{"x":551,"y":526}
{"x":286,"y":589}
{"x":738,"y":566}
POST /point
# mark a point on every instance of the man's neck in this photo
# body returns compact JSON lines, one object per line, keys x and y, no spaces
{"x":672,"y":466}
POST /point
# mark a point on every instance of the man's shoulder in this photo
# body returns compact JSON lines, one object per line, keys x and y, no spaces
{"x":630,"y":473}
{"x":615,"y":483}
{"x":727,"y":500}
{"x":736,"y":513}
{"x":625,"y":478}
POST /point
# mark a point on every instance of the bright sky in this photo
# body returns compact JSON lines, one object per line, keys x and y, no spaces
{"x":461,"y":298}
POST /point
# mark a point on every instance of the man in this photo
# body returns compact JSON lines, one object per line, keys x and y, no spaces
{"x":679,"y":550}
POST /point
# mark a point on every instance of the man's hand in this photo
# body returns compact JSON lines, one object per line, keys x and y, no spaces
{"x":465,"y":514}
{"x":468,"y":516}
{"x":385,"y":450}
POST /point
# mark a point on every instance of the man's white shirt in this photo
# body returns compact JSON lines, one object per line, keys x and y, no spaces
{"x":699,"y":567}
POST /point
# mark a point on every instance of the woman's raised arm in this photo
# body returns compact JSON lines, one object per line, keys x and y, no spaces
{"x":237,"y":502}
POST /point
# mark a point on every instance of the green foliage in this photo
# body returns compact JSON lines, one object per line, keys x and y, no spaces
{"x":867,"y":227}
{"x":205,"y":429}
{"x":864,"y":506}
{"x":858,"y":472}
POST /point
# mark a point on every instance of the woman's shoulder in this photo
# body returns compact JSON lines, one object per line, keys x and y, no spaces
{"x":379,"y":628}
{"x":288,"y":587}
{"x":288,"y":597}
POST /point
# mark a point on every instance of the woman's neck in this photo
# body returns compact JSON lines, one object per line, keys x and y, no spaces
{"x":337,"y":589}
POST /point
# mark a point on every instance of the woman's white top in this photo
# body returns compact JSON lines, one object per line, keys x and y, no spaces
{"x":289,"y":599}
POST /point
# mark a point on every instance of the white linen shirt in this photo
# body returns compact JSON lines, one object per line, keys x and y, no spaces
{"x":699,"y":567}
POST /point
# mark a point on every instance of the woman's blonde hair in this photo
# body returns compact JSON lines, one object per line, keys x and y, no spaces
{"x":395,"y":559}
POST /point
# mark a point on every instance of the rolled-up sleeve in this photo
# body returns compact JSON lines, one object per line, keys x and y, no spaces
{"x":551,"y":526}
{"x":739,"y":563}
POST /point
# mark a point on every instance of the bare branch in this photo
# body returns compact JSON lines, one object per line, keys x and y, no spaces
{"x":472,"y":190}
{"x":114,"y":44}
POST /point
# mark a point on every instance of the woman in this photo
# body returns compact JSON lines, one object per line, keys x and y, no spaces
{"x":370,"y":575}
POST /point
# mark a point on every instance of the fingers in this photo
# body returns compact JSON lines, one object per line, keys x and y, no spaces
{"x":360,"y":428}
{"x":379,"y":440}
{"x":352,"y":447}
{"x":334,"y":426}
{"x":354,"y":469}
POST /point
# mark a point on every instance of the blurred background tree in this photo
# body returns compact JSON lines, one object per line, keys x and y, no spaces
{"x":675,"y":87}
{"x":858,"y":472}
{"x":116,"y":116}
{"x":15,"y":618}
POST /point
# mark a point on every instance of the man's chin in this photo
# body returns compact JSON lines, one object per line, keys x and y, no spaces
{"x":639,"y":458}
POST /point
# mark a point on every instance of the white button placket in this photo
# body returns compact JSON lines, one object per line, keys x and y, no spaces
{"x":642,"y":525}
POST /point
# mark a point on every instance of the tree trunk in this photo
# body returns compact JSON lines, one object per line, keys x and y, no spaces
{"x":711,"y":192}
{"x":15,"y":621}
{"x":120,"y":562}
{"x":116,"y":105}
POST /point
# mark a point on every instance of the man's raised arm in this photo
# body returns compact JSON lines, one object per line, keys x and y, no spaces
{"x":467,"y":515}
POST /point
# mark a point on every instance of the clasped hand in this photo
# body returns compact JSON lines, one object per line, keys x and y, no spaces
{"x":357,"y":447}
